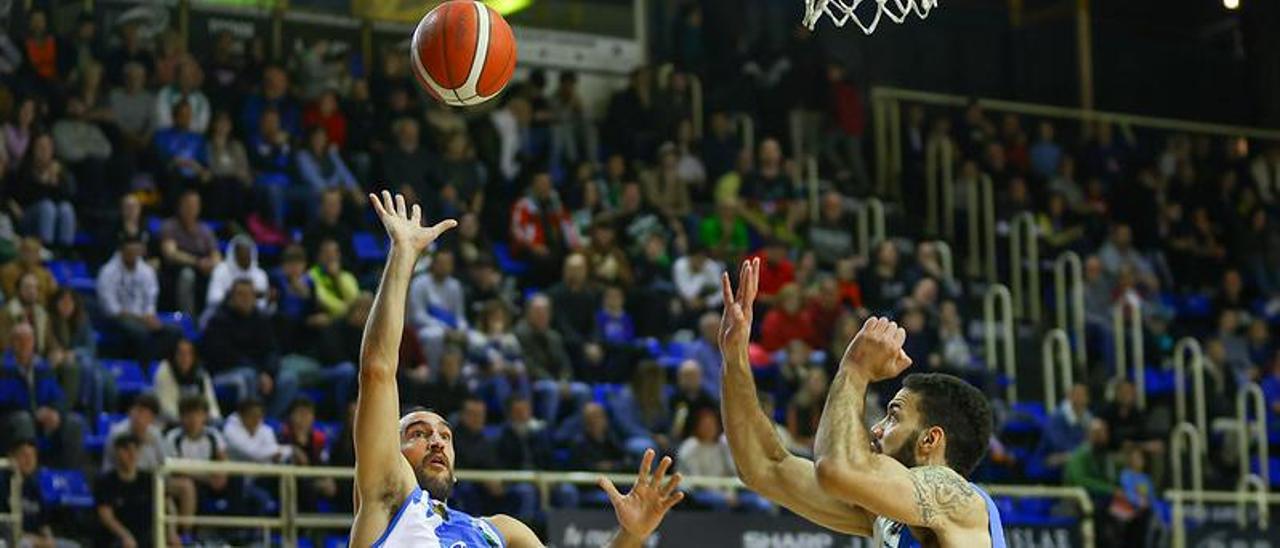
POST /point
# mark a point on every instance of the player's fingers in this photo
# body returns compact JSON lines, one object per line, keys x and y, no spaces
{"x":442,"y":226}
{"x":377,"y":204}
{"x":609,"y":488}
{"x":899,"y":336}
{"x":671,"y":485}
{"x":673,"y":500}
{"x":744,"y":273}
{"x":401,"y":210}
{"x":904,"y":359}
{"x":646,"y":464}
{"x":416,"y":215}
{"x":663,"y":466}
{"x":727,"y":289}
{"x":388,"y":204}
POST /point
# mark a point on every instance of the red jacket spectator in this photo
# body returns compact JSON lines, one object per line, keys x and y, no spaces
{"x":776,"y":270}
{"x":42,"y":53}
{"x":788,"y":321}
{"x":539,"y":220}
{"x":324,"y":113}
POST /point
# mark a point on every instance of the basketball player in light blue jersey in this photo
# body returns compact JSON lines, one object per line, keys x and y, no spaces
{"x":404,"y":468}
{"x":901,"y":482}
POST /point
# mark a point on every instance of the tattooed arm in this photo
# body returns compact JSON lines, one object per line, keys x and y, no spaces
{"x":850,"y":471}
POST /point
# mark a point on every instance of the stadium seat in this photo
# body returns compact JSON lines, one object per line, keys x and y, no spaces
{"x":129,"y":375}
{"x":1026,"y":417}
{"x":367,"y":247}
{"x":73,"y":274}
{"x":335,"y":541}
{"x":183,"y":322}
{"x":507,"y":263}
{"x":65,"y":488}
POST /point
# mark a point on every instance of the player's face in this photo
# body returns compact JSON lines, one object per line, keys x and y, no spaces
{"x":898,"y":433}
{"x":426,"y":441}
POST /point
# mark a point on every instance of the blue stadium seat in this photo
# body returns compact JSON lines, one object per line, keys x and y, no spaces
{"x":66,"y":488}
{"x":183,"y":322}
{"x":331,"y":430}
{"x":492,"y":432}
{"x":1160,"y":381}
{"x":1026,"y":417}
{"x":335,"y":541}
{"x":73,"y":274}
{"x":1273,"y":465}
{"x":154,"y":224}
{"x":130,"y":377}
{"x":367,"y":247}
{"x":507,"y":263}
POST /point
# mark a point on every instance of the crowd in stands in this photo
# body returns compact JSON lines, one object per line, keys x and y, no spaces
{"x":185,"y":240}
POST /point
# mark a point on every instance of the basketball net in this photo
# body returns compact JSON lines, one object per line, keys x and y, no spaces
{"x":843,"y":11}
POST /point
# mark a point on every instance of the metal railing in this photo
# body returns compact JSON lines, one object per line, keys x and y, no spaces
{"x":1187,"y":433}
{"x":1024,"y":260}
{"x":1068,"y":284}
{"x":747,"y":130}
{"x":290,"y":521}
{"x":982,"y":230}
{"x":997,"y":330}
{"x":1129,"y":311}
{"x":1178,"y":498}
{"x":1185,"y":346}
{"x":1055,"y":353}
{"x":1255,"y":432}
{"x":940,"y":190}
{"x":870,"y":225}
{"x":945,"y":260}
{"x":812,"y":182}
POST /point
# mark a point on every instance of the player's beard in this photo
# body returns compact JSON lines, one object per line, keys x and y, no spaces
{"x":906,"y":454}
{"x":440,"y":487}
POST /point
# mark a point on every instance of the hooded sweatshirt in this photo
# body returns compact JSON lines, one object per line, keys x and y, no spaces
{"x":229,"y":270}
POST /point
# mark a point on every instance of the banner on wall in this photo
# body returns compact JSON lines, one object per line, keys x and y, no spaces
{"x":594,"y":528}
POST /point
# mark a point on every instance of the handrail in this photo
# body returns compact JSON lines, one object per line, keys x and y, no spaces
{"x":870,"y":224}
{"x":811,"y":165}
{"x":1078,"y":494}
{"x":1180,"y":351}
{"x":695,"y":103}
{"x":1255,"y":484}
{"x":1178,"y":497}
{"x":982,"y":229}
{"x":1118,"y":317}
{"x":1026,"y":300}
{"x":945,"y":260}
{"x":1055,"y":352}
{"x":1067,"y":271}
{"x":1257,"y":429}
{"x":1187,"y":431}
{"x":747,"y":129}
{"x":940,"y":190}
{"x":1000,"y":293}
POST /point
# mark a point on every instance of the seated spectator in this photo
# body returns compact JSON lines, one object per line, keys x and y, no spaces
{"x":493,"y":346}
{"x":1058,"y":227}
{"x":180,"y":376}
{"x":922,"y":342}
{"x":132,"y":48}
{"x":725,"y":234}
{"x":576,"y":302}
{"x":823,"y":307}
{"x":469,"y":244}
{"x":84,"y":148}
{"x":615,"y":334}
{"x":607,"y":261}
{"x":794,"y":369}
{"x":691,"y":397}
{"x":831,"y":234}
{"x":437,"y":307}
{"x":127,"y":293}
{"x":24,"y":457}
{"x":1258,"y":340}
{"x":1089,"y":466}
{"x":1232,"y":294}
{"x":704,"y":453}
{"x":954,"y":351}
{"x":28,"y":261}
{"x":328,"y":224}
{"x":74,"y":349}
{"x":547,"y":360}
{"x":1066,"y":429}
{"x":1127,"y":424}
{"x":194,"y":438}
{"x":130,"y":225}
{"x":405,"y":164}
{"x":309,"y":448}
{"x":524,"y":443}
{"x":1118,"y":252}
{"x":595,"y":448}
{"x":1262,"y":252}
{"x":847,"y":283}
{"x":26,"y":307}
{"x":805,"y":409}
{"x":787,"y":321}
{"x":882,"y":284}
{"x":448,"y":390}
{"x":776,"y":270}
{"x":19,"y":131}
{"x":706,"y":351}
{"x":134,"y":108}
{"x":41,"y":195}
{"x":271,"y":157}
{"x":697,"y":281}
{"x":293,"y":297}
{"x":189,"y":252}
{"x":274,"y":96}
{"x":771,"y":180}
{"x":328,"y":361}
{"x":249,"y":439}
{"x":241,"y":265}
{"x":321,"y":167}
{"x":476,"y":451}
{"x":240,"y":348}
{"x":324,"y":113}
{"x":125,"y":500}
{"x":642,"y":410}
{"x":185,"y":90}
{"x":141,"y":425}
{"x":664,"y":189}
{"x":542,"y":232}
{"x":336,"y":288}
{"x":183,"y":154}
{"x":33,"y":406}
{"x":229,"y":167}
{"x":1140,"y":496}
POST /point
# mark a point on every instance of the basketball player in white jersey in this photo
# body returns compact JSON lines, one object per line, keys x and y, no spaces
{"x":903,"y":482}
{"x":404,"y":467}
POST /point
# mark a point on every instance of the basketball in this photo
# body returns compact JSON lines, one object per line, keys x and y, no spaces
{"x":463,"y":53}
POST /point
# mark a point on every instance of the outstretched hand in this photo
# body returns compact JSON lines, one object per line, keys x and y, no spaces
{"x":404,"y":225}
{"x":876,"y":351}
{"x":735,"y":322}
{"x":641,"y":510}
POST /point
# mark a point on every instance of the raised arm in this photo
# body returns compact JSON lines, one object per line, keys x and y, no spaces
{"x":763,"y":463}
{"x":383,"y":477}
{"x":849,"y":470}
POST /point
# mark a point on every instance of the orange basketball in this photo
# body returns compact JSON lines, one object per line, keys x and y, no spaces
{"x":463,"y":53}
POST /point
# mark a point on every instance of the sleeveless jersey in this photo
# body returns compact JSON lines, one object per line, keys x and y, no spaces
{"x":424,"y":523}
{"x":891,"y":534}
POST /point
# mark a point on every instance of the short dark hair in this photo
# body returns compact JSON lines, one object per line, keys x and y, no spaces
{"x":302,"y":401}
{"x":22,"y":442}
{"x":191,"y":403}
{"x":125,"y":441}
{"x":250,"y":404}
{"x":148,"y":401}
{"x":961,"y":410}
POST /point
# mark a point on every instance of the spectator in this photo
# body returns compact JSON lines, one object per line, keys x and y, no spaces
{"x":697,"y":281}
{"x":124,"y":499}
{"x":805,"y":409}
{"x":844,"y":139}
{"x":134,"y":108}
{"x":1046,"y":155}
{"x":309,"y":448}
{"x":1261,"y":250}
{"x":26,"y":308}
{"x":19,"y":131}
{"x":271,"y":157}
{"x":882,"y":285}
{"x":459,"y":170}
{"x":194,"y":438}
{"x":665,"y":190}
{"x":830,"y":236}
{"x":1066,"y":429}
{"x":438,"y":309}
{"x":524,"y":443}
{"x":293,"y":297}
{"x":406,"y":164}
{"x":328,"y":224}
{"x":36,"y":516}
{"x":75,"y":349}
{"x":776,"y":270}
{"x":477,"y":451}
{"x":42,"y":194}
{"x":691,"y":397}
{"x":251,"y":440}
{"x":1118,"y":252}
{"x":323,"y":113}
{"x":725,"y":234}
{"x":595,"y":448}
{"x":1090,"y":467}
{"x":273,"y":96}
{"x":576,"y":302}
{"x":240,"y":348}
{"x":85,"y":149}
{"x":1139,"y":495}
{"x":184,"y":155}
{"x":787,"y":321}
{"x":542,"y":232}
{"x":81,"y":47}
{"x":614,"y":329}
{"x":190,"y":253}
{"x":705,"y":453}
{"x":547,"y":360}
{"x":41,"y":49}
{"x":642,"y":410}
{"x":954,"y":350}
{"x":32,"y":405}
{"x":131,"y":226}
{"x":571,"y":132}
{"x":190,"y":77}
{"x":141,"y":426}
{"x":127,"y":292}
{"x":449,"y":389}
{"x":229,"y":166}
{"x":706,"y":351}
{"x":321,"y":167}
{"x":243,"y":265}
{"x":336,"y":288}
{"x":181,"y":376}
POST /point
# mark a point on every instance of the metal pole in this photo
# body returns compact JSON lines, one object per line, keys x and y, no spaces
{"x":948,"y":189}
{"x":1180,"y":350}
{"x":747,"y":128}
{"x":1258,"y":430}
{"x":945,"y":260}
{"x":811,"y":164}
{"x":880,"y":118}
{"x":989,"y":215}
{"x":695,"y":103}
{"x":1068,"y":273}
{"x":895,"y":150}
{"x":997,"y":292}
{"x":976,"y":243}
{"x":932,"y":196}
{"x":15,"y":504}
{"x":157,"y":508}
{"x":1084,"y":45}
{"x":1055,"y":353}
{"x":1186,"y":433}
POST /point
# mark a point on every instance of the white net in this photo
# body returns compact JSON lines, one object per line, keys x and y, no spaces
{"x":864,"y":13}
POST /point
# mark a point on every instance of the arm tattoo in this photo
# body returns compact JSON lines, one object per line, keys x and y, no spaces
{"x":939,"y":493}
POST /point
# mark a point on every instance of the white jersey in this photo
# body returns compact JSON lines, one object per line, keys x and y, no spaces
{"x":425,"y":523}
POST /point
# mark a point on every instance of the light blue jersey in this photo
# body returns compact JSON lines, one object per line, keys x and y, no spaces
{"x":425,"y":523}
{"x":892,"y":534}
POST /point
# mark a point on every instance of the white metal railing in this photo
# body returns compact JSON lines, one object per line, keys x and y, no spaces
{"x":747,"y":130}
{"x":1185,"y":346}
{"x":1186,"y":433}
{"x":1024,"y":260}
{"x":1055,"y":353}
{"x":1129,"y":344}
{"x":1000,"y":330}
{"x":290,"y":521}
{"x":1068,"y":282}
{"x":945,"y":260}
{"x":982,"y":229}
{"x":812,"y":182}
{"x":1178,"y":498}
{"x":870,"y":225}
{"x":1255,"y":432}
{"x":940,"y":190}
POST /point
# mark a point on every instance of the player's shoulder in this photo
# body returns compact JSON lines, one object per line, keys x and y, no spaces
{"x":945,"y":497}
{"x":514,"y":532}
